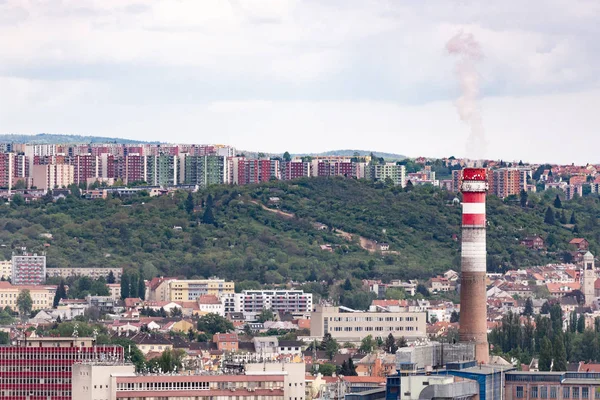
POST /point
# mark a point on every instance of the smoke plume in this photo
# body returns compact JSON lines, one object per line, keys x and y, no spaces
{"x":468,"y":51}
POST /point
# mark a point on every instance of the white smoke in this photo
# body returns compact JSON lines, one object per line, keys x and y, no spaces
{"x":469,"y":52}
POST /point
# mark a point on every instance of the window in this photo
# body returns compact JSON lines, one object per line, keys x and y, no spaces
{"x":534,"y":392}
{"x":566,"y":392}
{"x":585,"y":393}
{"x":597,"y":392}
{"x":544,"y":392}
{"x":575,"y":392}
{"x":553,"y":392}
{"x":519,"y":392}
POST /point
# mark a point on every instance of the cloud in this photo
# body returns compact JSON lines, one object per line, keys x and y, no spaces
{"x":343,"y":70}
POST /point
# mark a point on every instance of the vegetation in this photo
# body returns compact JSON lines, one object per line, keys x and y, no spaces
{"x":212,"y":323}
{"x":24,"y":303}
{"x":228,"y":233}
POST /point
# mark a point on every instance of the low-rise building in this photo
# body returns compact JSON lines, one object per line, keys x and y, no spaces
{"x":93,"y":273}
{"x":211,"y":304}
{"x":347,"y":325}
{"x":282,"y":301}
{"x":226,"y":341}
{"x":42,"y":296}
{"x":551,"y":385}
{"x":172,"y":289}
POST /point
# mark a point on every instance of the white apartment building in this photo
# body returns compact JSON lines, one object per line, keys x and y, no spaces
{"x":283,"y":301}
{"x":347,"y":325}
{"x":28,"y":269}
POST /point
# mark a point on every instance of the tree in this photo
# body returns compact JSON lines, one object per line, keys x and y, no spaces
{"x":545,"y":360}
{"x":549,"y":217}
{"x":390,"y":344}
{"x":124,"y":286}
{"x":287,"y":156}
{"x":524,"y":197}
{"x":24,"y":303}
{"x":422,"y":289}
{"x":141,"y":288}
{"x":557,"y":202}
{"x":433,"y":319}
{"x":208,"y":217}
{"x":133,"y":285}
{"x":581,"y":323}
{"x":326,"y":369}
{"x":528,"y":311}
{"x":563,"y":217}
{"x":560,"y":353}
{"x":347,"y":286}
{"x":395,"y":293}
{"x":402,"y":342}
{"x":454,"y":317}
{"x":573,"y":220}
{"x":545,"y":309}
{"x":367,"y":344}
{"x":213,"y":323}
{"x":331,"y":348}
{"x":189,"y":203}
{"x":61,"y":293}
{"x":110,"y":278}
{"x":265,"y":315}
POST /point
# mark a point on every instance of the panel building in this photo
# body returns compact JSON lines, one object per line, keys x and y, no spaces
{"x":381,"y":172}
{"x":28,"y":269}
{"x":284,"y":301}
{"x":172,"y":289}
{"x":347,"y":325}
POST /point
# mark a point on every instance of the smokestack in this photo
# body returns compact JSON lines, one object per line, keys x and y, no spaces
{"x":473,"y":298}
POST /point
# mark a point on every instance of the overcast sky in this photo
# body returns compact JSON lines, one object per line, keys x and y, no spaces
{"x":305,"y":76}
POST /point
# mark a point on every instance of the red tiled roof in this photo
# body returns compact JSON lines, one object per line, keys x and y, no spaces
{"x":364,"y":379}
{"x":208,"y":299}
{"x":577,"y":241}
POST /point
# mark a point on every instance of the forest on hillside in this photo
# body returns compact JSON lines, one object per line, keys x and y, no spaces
{"x":225,"y":231}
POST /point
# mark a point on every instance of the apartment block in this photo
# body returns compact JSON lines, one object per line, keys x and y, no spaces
{"x":381,"y":172}
{"x":203,"y":170}
{"x":284,"y":301}
{"x":171,"y":289}
{"x":162,"y":170}
{"x":93,"y":273}
{"x":52,"y":176}
{"x":41,"y":295}
{"x":7,"y":163}
{"x":295,"y":169}
{"x":504,"y":182}
{"x":6,"y":269}
{"x":42,"y":368}
{"x":264,"y":381}
{"x":86,"y":166}
{"x":347,"y":325}
{"x":28,"y":269}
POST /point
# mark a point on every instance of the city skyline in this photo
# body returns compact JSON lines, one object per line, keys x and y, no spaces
{"x":308,"y":76}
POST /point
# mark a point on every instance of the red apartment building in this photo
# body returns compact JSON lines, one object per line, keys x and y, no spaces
{"x":134,"y":168}
{"x":504,"y":182}
{"x":295,"y":169}
{"x":85,"y":167}
{"x":41,"y":368}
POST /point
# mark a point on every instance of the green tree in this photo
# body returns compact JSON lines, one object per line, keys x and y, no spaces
{"x":4,"y":338}
{"x":581,"y":323}
{"x":331,"y":348}
{"x":61,"y":293}
{"x":287,"y":156}
{"x":124,"y":286}
{"x":454,"y":317}
{"x":528,"y":311}
{"x":265,"y":315}
{"x":169,"y":361}
{"x":402,"y":342}
{"x":545,"y":360}
{"x":573,"y":220}
{"x":24,"y":303}
{"x":524,"y":197}
{"x":394,"y":293}
{"x":189,"y":203}
{"x":213,"y":323}
{"x":132,"y":352}
{"x":141,"y":289}
{"x":563,"y":217}
{"x":133,"y":285}
{"x":367,"y":344}
{"x":549,"y":217}
{"x":560,"y":353}
{"x":208,"y":217}
{"x":326,"y":369}
{"x":557,"y":202}
{"x":390,"y":344}
{"x":110,"y":278}
{"x":347,"y":286}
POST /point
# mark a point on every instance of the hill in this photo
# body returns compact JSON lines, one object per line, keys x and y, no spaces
{"x":252,"y":239}
{"x":48,"y":138}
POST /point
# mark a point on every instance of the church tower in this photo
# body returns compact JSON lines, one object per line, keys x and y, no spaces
{"x":589,"y":278}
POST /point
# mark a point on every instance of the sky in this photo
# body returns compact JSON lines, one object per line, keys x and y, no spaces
{"x":306,"y":75}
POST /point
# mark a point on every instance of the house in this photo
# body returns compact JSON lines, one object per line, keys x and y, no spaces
{"x":579,"y":244}
{"x":151,"y":342}
{"x":561,"y":289}
{"x":292,"y":347}
{"x":266,"y":344}
{"x":226,"y":341}
{"x":451,"y":275}
{"x":439,"y":284}
{"x":210,"y":304}
{"x":533,"y":242}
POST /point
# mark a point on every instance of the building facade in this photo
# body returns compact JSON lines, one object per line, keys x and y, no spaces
{"x":28,"y":269}
{"x":42,"y":296}
{"x":552,"y":385}
{"x":352,"y":326}
{"x":284,"y":301}
{"x":93,"y":273}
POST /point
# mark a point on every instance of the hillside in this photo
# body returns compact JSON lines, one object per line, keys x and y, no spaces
{"x":48,"y":138}
{"x":350,"y":153}
{"x":248,"y":242}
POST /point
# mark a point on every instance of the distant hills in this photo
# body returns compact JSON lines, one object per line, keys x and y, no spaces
{"x":49,"y":138}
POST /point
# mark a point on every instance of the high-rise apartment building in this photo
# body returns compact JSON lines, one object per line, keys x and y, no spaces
{"x":203,"y":170}
{"x":284,"y":301}
{"x":171,"y":289}
{"x":504,"y":182}
{"x":381,"y":172}
{"x":28,"y":269}
{"x":51,"y":176}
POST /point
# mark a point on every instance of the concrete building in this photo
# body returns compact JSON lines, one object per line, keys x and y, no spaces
{"x":381,"y":172}
{"x":93,"y":273}
{"x":42,"y":296}
{"x":504,"y":182}
{"x":283,"y":301}
{"x":28,"y":269}
{"x":172,"y":289}
{"x":551,"y":385}
{"x":6,"y":269}
{"x":52,"y":176}
{"x":203,"y":170}
{"x":41,"y":368}
{"x":264,"y":381}
{"x":347,"y":325}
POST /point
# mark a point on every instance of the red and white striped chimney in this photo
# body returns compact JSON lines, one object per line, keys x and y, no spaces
{"x":473,"y":298}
